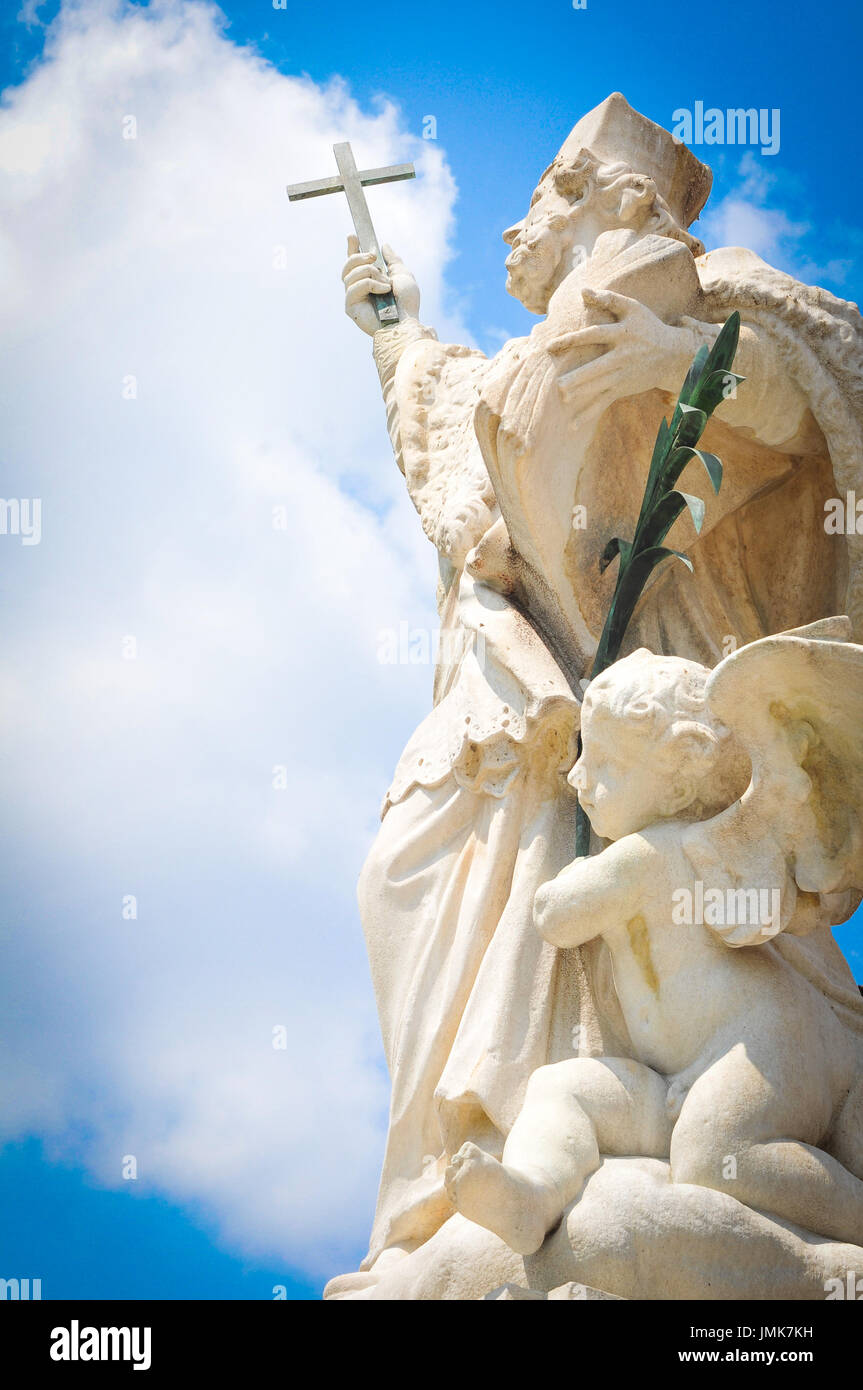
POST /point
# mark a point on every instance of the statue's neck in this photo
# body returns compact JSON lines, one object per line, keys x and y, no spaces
{"x":607,"y":247}
{"x":627,"y":261}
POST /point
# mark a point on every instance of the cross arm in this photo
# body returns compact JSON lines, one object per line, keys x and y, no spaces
{"x":351,"y":182}
{"x":315,"y":188}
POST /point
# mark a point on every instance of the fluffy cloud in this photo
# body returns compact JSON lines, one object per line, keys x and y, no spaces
{"x":168,"y":385}
{"x":747,"y":216}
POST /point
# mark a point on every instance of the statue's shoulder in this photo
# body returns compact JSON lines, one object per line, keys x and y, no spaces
{"x":734,"y":275}
{"x":734,"y":260}
{"x":736,"y":269}
{"x":657,"y":271}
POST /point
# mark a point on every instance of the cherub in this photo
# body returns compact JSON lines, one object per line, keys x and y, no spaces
{"x":746,"y":1062}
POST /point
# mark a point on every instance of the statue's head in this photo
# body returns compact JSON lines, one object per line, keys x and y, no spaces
{"x":651,"y":749}
{"x":615,"y":170}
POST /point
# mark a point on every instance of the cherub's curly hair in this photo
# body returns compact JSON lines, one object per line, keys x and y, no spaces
{"x":668,"y":695}
{"x":619,"y":189}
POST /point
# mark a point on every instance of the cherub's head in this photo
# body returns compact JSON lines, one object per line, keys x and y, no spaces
{"x":652,"y":750}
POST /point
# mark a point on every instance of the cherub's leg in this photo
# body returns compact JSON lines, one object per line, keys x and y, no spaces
{"x":689,"y":1242}
{"x":734,"y":1132}
{"x":573,"y":1112}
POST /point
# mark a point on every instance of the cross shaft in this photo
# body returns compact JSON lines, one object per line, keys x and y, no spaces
{"x":351,"y":182}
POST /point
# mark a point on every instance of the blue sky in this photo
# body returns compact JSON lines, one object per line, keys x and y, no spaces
{"x":506,"y":85}
{"x":153,"y":776}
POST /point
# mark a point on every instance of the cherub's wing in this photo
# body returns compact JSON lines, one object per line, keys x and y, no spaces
{"x":795,"y":702}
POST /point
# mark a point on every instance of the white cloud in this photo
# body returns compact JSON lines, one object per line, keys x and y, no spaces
{"x":737,"y":222}
{"x":743,"y":217}
{"x":747,"y":216}
{"x":154,"y":257}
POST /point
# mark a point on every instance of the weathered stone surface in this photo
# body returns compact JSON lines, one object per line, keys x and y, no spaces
{"x":514,"y":1293}
{"x":542,"y":1017}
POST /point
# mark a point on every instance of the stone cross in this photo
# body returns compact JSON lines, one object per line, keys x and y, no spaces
{"x":351,"y":182}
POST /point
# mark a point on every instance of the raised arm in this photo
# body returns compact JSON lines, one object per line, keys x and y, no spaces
{"x":595,"y":895}
{"x":362,"y":278}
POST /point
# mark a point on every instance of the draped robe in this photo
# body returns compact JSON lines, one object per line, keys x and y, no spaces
{"x":471,"y":1000}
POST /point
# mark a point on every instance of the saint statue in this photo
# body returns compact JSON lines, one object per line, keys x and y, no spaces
{"x":522,"y":467}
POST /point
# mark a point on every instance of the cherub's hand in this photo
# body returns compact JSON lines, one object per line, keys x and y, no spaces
{"x":640,"y":352}
{"x":363,"y":277}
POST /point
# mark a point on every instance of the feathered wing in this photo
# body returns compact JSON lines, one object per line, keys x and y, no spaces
{"x":795,"y":702}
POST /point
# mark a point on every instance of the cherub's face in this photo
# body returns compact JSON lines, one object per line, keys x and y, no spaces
{"x":621,"y":783}
{"x":539,"y":258}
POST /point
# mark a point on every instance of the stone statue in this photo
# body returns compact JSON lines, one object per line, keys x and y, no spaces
{"x":521,"y":468}
{"x":747,"y":1066}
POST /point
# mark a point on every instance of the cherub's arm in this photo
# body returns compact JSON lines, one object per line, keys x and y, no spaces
{"x":592,"y":896}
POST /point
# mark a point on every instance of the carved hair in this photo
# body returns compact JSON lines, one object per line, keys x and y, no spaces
{"x":618,"y":189}
{"x":667,"y":695}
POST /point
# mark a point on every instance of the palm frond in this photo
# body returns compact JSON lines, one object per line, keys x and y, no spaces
{"x":709,"y":381}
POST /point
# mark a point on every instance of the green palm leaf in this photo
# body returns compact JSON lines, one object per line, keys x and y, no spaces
{"x":708,"y":383}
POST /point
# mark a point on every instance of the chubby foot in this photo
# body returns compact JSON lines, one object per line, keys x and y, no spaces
{"x":518,"y":1207}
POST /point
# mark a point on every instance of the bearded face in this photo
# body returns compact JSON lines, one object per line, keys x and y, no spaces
{"x":541,"y":248}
